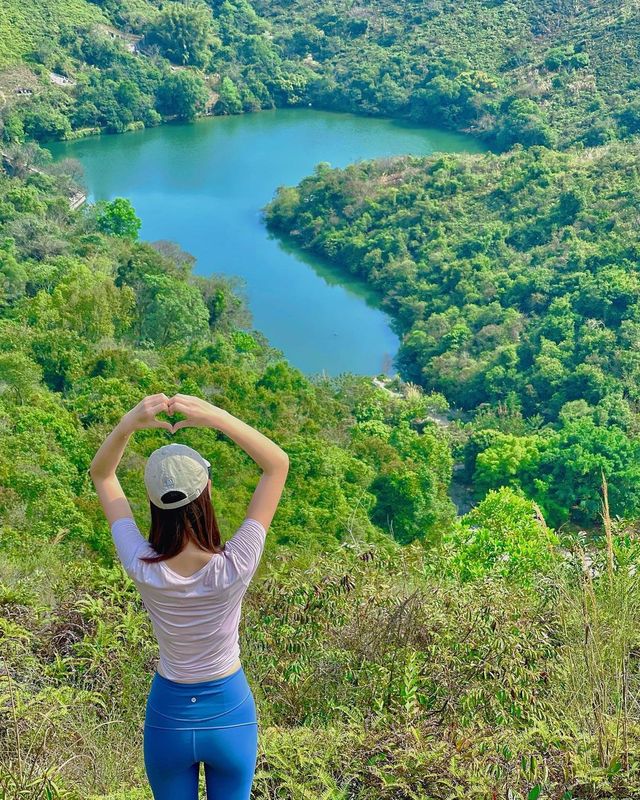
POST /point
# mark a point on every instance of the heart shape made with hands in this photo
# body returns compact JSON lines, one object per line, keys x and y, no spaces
{"x":172,"y":419}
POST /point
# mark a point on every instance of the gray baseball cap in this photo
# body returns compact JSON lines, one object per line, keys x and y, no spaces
{"x":175,"y":468}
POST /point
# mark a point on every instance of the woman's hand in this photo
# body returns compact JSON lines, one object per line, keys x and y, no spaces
{"x":197,"y":411}
{"x":144,"y":414}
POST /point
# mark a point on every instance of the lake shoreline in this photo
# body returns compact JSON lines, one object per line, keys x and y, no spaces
{"x":209,"y":183}
{"x":138,"y":125}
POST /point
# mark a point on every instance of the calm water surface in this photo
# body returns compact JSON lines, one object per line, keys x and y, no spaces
{"x":203,"y":185}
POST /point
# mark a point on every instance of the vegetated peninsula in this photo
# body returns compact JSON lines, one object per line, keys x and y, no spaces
{"x":514,"y":281}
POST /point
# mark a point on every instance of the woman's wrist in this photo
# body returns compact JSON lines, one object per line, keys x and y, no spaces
{"x":126,"y":426}
{"x":218,"y":418}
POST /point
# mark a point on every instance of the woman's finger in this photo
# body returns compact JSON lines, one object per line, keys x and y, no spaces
{"x":182,"y":424}
{"x":182,"y":398}
{"x":160,"y":423}
{"x":154,"y":399}
{"x":160,"y":402}
{"x":156,"y":409}
{"x":180,"y":407}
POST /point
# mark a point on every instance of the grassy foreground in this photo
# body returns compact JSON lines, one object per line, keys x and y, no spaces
{"x":377,"y":671}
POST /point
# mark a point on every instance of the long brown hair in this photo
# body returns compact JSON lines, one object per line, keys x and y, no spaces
{"x":171,"y":528}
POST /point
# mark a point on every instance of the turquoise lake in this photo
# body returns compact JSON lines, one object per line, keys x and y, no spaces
{"x":203,"y":185}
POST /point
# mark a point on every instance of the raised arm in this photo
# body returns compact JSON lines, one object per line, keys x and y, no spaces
{"x":271,"y":458}
{"x":103,"y":467}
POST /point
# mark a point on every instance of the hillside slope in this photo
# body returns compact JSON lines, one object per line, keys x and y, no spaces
{"x":536,"y":72}
{"x":25,"y":25}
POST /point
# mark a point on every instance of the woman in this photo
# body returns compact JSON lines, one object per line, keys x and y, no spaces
{"x":200,"y":706}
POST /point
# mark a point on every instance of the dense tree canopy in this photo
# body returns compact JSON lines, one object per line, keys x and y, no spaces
{"x":183,"y":33}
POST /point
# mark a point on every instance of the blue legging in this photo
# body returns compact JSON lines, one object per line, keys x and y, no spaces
{"x":211,"y":721}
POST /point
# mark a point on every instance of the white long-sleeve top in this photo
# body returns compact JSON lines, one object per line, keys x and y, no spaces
{"x":195,"y":619}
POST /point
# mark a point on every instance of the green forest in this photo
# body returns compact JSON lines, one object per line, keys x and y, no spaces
{"x":398,"y":648}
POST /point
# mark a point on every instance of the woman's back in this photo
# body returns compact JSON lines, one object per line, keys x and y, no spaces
{"x":195,"y":618}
